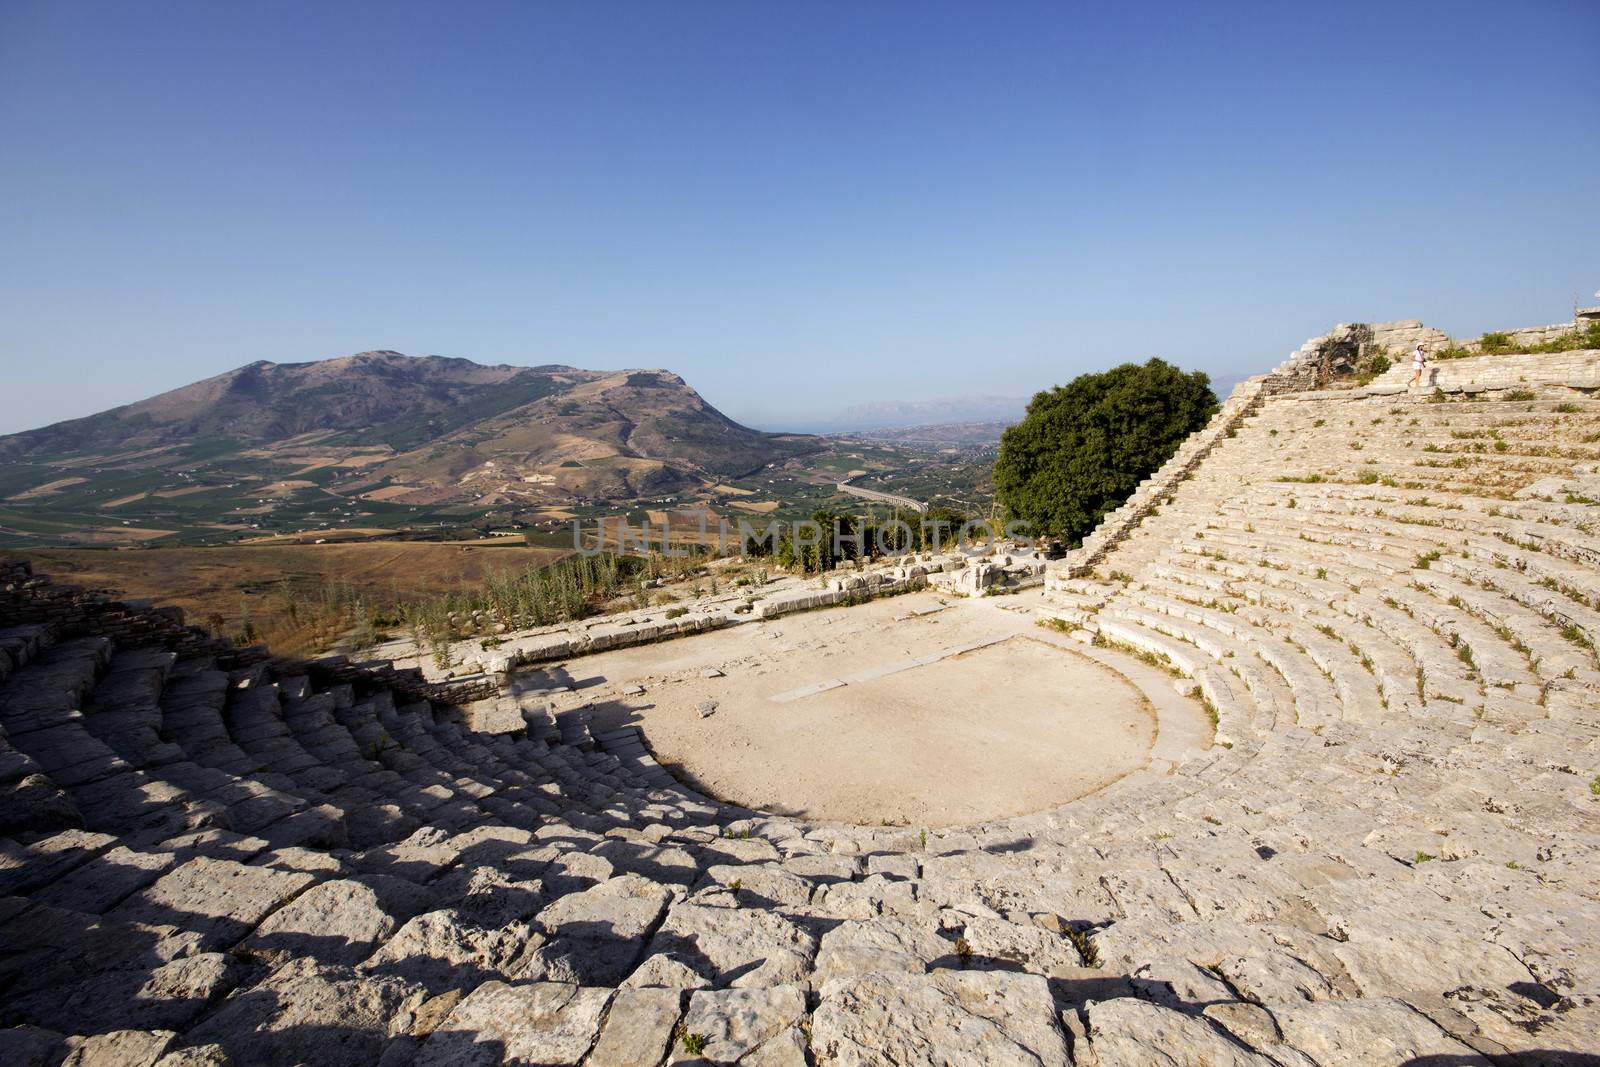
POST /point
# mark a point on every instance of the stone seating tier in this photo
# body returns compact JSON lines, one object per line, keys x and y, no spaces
{"x":1387,"y":855}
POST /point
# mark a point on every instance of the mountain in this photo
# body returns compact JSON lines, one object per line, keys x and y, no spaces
{"x":894,"y":414}
{"x":380,"y":429}
{"x":623,"y":435}
{"x":939,"y":436}
{"x":265,"y":402}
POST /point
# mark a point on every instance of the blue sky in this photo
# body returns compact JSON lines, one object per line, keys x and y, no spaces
{"x":796,"y":206}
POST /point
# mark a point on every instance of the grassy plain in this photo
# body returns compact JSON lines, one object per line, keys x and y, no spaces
{"x":259,"y":583}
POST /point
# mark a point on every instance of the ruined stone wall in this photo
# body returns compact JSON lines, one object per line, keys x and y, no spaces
{"x":1577,"y":370}
{"x":842,"y":587}
{"x":1348,"y":348}
{"x":1396,"y":339}
{"x":1532,"y":335}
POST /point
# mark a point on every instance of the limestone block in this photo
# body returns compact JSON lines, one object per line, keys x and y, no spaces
{"x":638,"y":1028}
{"x":997,"y":944}
{"x":762,"y":882}
{"x":857,"y":947}
{"x":438,"y":949}
{"x":543,"y":1022}
{"x":197,"y":1056}
{"x":1133,"y":1033}
{"x":306,"y":1013}
{"x":735,"y":946}
{"x":122,"y":1048}
{"x":336,"y":922}
{"x":753,"y":1026}
{"x":219,"y":900}
{"x":1369,"y":1031}
{"x":597,"y":936}
{"x":32,"y":1046}
{"x":991,"y":1017}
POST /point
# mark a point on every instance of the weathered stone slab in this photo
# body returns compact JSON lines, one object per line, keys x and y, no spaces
{"x":1379,"y":1032}
{"x":638,"y":1028}
{"x":753,"y":1026}
{"x":1134,"y":1033}
{"x":947,"y":1017}
{"x":884,"y":944}
{"x":656,"y":862}
{"x":197,"y":1056}
{"x":304,"y":1013}
{"x":997,"y":944}
{"x":334,"y":922}
{"x":762,"y":883}
{"x":44,"y":947}
{"x":24,"y":868}
{"x":36,"y":804}
{"x":439,"y":950}
{"x":122,"y":1048}
{"x":540,"y":1023}
{"x":32,"y":1046}
{"x":219,"y":900}
{"x":124,"y":977}
{"x":489,"y":896}
{"x":735,"y":946}
{"x":104,"y":881}
{"x":598,"y":935}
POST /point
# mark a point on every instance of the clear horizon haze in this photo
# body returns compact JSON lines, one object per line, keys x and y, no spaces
{"x":798,"y":208}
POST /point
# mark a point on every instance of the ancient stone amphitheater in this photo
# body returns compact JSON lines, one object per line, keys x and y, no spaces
{"x":1388,"y":856}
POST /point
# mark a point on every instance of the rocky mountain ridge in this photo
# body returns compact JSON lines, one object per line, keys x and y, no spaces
{"x":424,"y":429}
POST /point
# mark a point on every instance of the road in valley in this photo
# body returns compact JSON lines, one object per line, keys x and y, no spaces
{"x":887,"y":498}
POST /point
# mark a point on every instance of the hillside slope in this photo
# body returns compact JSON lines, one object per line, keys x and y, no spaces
{"x":263,"y":402}
{"x":267,"y":445}
{"x":617,"y":436}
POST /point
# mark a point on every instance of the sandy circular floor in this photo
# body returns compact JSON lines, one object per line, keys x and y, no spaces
{"x":872,"y":715}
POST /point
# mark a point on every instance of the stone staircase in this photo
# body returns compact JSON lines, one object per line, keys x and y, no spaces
{"x":1389,"y":602}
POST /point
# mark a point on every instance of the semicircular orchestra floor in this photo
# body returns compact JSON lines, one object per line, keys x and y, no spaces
{"x":921,"y":710}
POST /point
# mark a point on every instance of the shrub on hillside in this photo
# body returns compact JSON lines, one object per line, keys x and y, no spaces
{"x":1495,"y":343}
{"x":1083,"y":447}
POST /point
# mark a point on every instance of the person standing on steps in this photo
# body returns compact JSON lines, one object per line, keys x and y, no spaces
{"x":1419,"y":361}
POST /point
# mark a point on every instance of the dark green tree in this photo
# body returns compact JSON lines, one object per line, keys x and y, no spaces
{"x":1083,"y":447}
